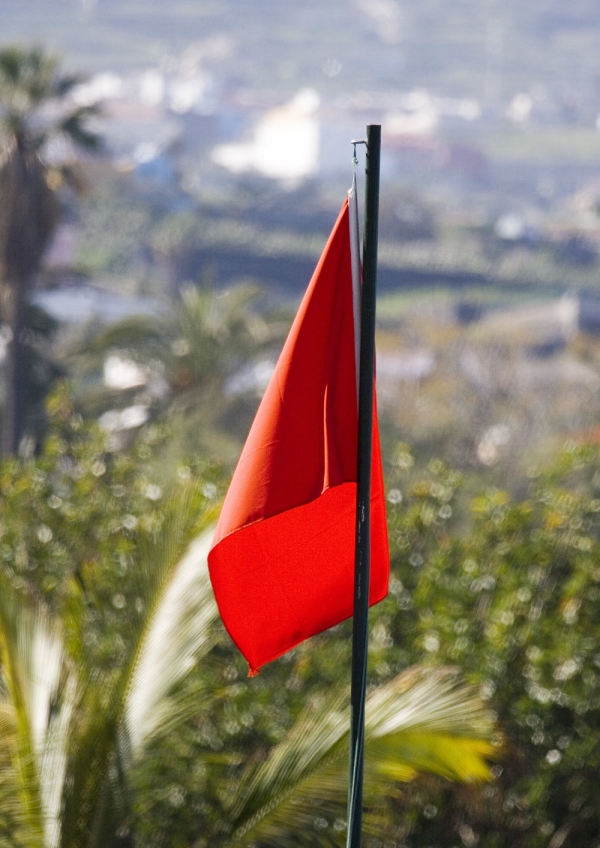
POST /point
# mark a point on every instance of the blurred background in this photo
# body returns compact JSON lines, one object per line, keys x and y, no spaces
{"x":226,"y":131}
{"x":169,"y":173}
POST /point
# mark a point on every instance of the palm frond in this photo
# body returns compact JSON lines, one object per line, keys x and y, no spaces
{"x":26,"y":77}
{"x":35,"y":717}
{"x":447,"y":734}
{"x":66,"y":82}
{"x":55,"y":753}
{"x":11,"y":811}
{"x":75,"y":127}
{"x":121,"y":706}
{"x":178,"y":632}
{"x":421,"y":721}
{"x":17,"y":665}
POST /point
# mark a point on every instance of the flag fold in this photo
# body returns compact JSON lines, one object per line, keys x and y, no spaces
{"x":282,"y":559}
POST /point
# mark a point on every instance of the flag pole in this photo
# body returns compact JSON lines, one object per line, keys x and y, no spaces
{"x":360,"y":636}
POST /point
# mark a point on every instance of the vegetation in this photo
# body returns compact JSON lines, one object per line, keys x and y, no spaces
{"x":125,"y":715}
{"x":35,"y":119}
{"x":199,"y":366}
{"x":110,"y":652}
{"x":508,"y":591}
{"x":141,"y":714}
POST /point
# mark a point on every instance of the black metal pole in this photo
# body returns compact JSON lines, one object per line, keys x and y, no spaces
{"x":360,"y":631}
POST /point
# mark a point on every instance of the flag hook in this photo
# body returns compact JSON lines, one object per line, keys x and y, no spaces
{"x":354,"y":143}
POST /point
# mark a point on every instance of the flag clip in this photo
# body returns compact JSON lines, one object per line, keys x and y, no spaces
{"x":354,"y":143}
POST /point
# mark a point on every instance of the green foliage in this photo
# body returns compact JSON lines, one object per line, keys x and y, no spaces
{"x":75,"y":514}
{"x":122,"y":716}
{"x":98,"y":551}
{"x":509,"y":591}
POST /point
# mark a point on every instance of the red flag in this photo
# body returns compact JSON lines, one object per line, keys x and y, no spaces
{"x":282,"y":560}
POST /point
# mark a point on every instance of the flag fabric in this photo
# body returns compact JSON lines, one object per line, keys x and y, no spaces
{"x":282,"y":559}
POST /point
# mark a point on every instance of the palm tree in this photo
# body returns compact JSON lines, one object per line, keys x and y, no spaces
{"x":196,"y":350}
{"x":74,"y":721}
{"x":39,"y":132}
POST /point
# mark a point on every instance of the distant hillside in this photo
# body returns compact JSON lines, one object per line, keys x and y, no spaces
{"x":489,"y":50}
